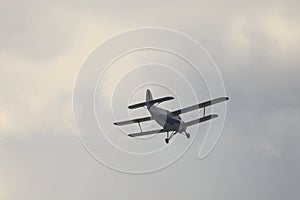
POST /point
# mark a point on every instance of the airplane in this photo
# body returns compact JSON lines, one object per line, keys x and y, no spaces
{"x":171,"y":122}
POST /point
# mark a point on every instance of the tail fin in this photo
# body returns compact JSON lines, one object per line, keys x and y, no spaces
{"x":148,"y":99}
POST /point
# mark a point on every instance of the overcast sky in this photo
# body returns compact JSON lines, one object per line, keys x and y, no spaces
{"x":254,"y":43}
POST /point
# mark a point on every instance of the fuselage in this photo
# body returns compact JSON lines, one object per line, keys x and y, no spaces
{"x":167,"y":119}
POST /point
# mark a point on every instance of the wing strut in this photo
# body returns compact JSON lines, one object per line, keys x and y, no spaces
{"x":140,"y":126}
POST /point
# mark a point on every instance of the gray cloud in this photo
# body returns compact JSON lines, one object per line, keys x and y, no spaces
{"x":255,"y":45}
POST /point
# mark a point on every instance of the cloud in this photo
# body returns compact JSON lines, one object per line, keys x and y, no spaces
{"x":255,"y":45}
{"x":43,"y":48}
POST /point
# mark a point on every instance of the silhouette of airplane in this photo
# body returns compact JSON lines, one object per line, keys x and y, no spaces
{"x":171,"y":122}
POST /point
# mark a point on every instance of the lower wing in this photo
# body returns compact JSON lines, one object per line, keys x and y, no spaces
{"x":132,"y":121}
{"x":200,"y":120}
{"x":147,"y":133}
{"x":190,"y":123}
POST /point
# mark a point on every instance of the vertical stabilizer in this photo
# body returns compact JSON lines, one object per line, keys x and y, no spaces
{"x":149,"y":98}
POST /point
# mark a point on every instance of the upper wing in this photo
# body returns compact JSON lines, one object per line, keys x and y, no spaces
{"x":147,"y":133}
{"x":200,"y":105}
{"x":133,"y":121}
{"x":203,"y":119}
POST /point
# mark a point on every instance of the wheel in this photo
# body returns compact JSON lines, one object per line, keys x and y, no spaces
{"x":167,"y":140}
{"x":188,"y":135}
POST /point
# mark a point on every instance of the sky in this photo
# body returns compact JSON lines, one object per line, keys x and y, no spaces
{"x":255,"y":45}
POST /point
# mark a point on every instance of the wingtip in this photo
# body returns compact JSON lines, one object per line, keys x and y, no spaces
{"x":213,"y":116}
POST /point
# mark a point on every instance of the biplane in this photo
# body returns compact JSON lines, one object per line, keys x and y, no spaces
{"x":171,"y":122}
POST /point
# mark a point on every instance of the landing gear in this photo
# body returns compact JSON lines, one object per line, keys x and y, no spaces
{"x":167,"y":140}
{"x":188,"y":135}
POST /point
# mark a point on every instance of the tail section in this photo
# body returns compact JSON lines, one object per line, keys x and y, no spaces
{"x":149,"y":98}
{"x":150,"y":101}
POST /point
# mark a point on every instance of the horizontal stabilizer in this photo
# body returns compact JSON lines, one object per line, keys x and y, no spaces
{"x":139,"y":105}
{"x":200,"y":120}
{"x":133,"y":121}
